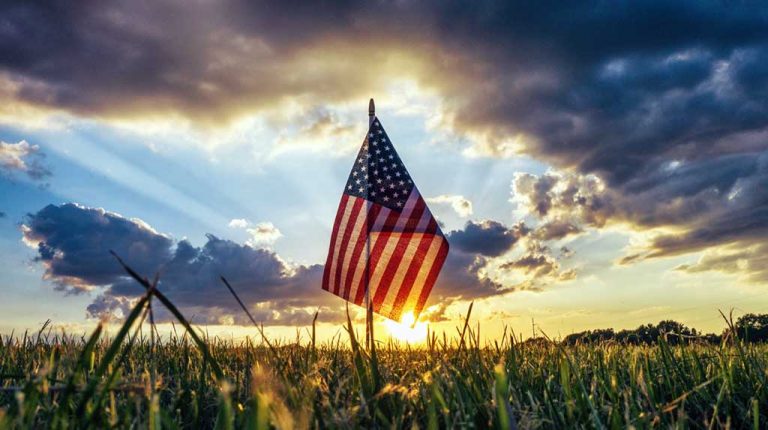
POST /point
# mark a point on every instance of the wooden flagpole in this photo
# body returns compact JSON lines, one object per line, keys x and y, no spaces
{"x":368,"y":304}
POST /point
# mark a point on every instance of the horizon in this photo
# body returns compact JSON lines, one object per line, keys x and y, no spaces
{"x":586,"y":175}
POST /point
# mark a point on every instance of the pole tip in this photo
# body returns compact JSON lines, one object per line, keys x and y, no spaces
{"x":371,"y":108}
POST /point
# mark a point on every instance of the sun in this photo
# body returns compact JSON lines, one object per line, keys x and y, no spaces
{"x":408,"y":329}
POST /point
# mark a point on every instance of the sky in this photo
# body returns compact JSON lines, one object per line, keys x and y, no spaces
{"x":592,"y":164}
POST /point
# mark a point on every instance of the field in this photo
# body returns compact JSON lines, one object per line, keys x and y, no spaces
{"x":133,"y":379}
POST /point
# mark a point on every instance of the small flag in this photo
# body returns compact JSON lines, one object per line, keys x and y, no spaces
{"x":384,"y":237}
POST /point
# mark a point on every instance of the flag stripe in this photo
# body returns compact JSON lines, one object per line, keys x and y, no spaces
{"x":359,"y":278}
{"x":330,"y":264}
{"x":351,"y":214}
{"x":396,"y":298}
{"x":382,"y":238}
{"x":387,"y":248}
{"x":434,"y":271}
{"x":359,"y":251}
{"x":358,"y":235}
{"x":399,"y":252}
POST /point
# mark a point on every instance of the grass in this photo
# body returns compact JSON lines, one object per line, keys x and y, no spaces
{"x":187,"y":380}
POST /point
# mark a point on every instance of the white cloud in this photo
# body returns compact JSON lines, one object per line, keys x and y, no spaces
{"x":238,"y":223}
{"x":22,"y":157}
{"x":263,"y":234}
{"x":460,"y":204}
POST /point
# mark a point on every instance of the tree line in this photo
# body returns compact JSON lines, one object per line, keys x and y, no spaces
{"x":748,"y":328}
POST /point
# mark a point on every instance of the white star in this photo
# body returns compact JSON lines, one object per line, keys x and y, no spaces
{"x":375,"y":172}
{"x":378,"y":151}
{"x":380,"y":132}
{"x":363,"y":168}
{"x":373,"y":193}
{"x":391,"y":157}
{"x":389,"y":177}
{"x":391,"y":185}
{"x":349,"y":187}
{"x":361,"y":189}
{"x":381,"y":160}
{"x":357,"y":182}
{"x":399,"y":203}
{"x":402,"y":183}
{"x":378,"y":181}
{"x":371,"y":135}
{"x":386,"y":199}
{"x":404,"y":192}
{"x":384,"y":168}
{"x":397,"y":174}
{"x":386,"y":148}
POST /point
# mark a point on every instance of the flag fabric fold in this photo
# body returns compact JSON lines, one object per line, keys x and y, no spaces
{"x":384,"y":237}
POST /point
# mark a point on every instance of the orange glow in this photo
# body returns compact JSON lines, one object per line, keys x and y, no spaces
{"x":408,"y":329}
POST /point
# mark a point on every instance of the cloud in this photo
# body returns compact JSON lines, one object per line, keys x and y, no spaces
{"x":461,"y":205}
{"x":487,"y":238}
{"x":263,"y":233}
{"x":73,"y":243}
{"x":238,"y":223}
{"x":666,"y":117}
{"x":23,"y":158}
{"x":751,"y":262}
{"x":689,"y":206}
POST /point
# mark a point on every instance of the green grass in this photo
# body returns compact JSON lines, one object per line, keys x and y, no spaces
{"x":71,"y":382}
{"x":133,"y":380}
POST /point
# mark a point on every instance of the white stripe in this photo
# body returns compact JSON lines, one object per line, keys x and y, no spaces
{"x":418,"y":283}
{"x":357,"y":229}
{"x":402,"y":269}
{"x":389,"y":247}
{"x":337,"y":244}
{"x":360,"y":269}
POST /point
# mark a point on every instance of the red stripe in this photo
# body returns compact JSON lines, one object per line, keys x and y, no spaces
{"x":398,"y":253}
{"x":358,"y":251}
{"x":358,"y":203}
{"x":376,"y":251}
{"x":416,"y":264}
{"x":339,"y":215}
{"x":432,"y":277}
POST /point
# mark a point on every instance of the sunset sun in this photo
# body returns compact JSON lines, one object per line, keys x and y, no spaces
{"x":408,"y":329}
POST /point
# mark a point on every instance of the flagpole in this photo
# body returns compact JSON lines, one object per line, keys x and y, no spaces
{"x":368,"y":304}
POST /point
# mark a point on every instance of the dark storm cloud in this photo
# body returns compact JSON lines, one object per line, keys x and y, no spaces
{"x":665,"y":102}
{"x":488,"y":238}
{"x":73,"y":244}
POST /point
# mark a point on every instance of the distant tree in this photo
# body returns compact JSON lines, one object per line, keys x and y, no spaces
{"x":752,"y":327}
{"x":675,"y":332}
{"x":590,"y":336}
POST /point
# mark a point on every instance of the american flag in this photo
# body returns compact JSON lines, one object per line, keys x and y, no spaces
{"x":406,"y":248}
